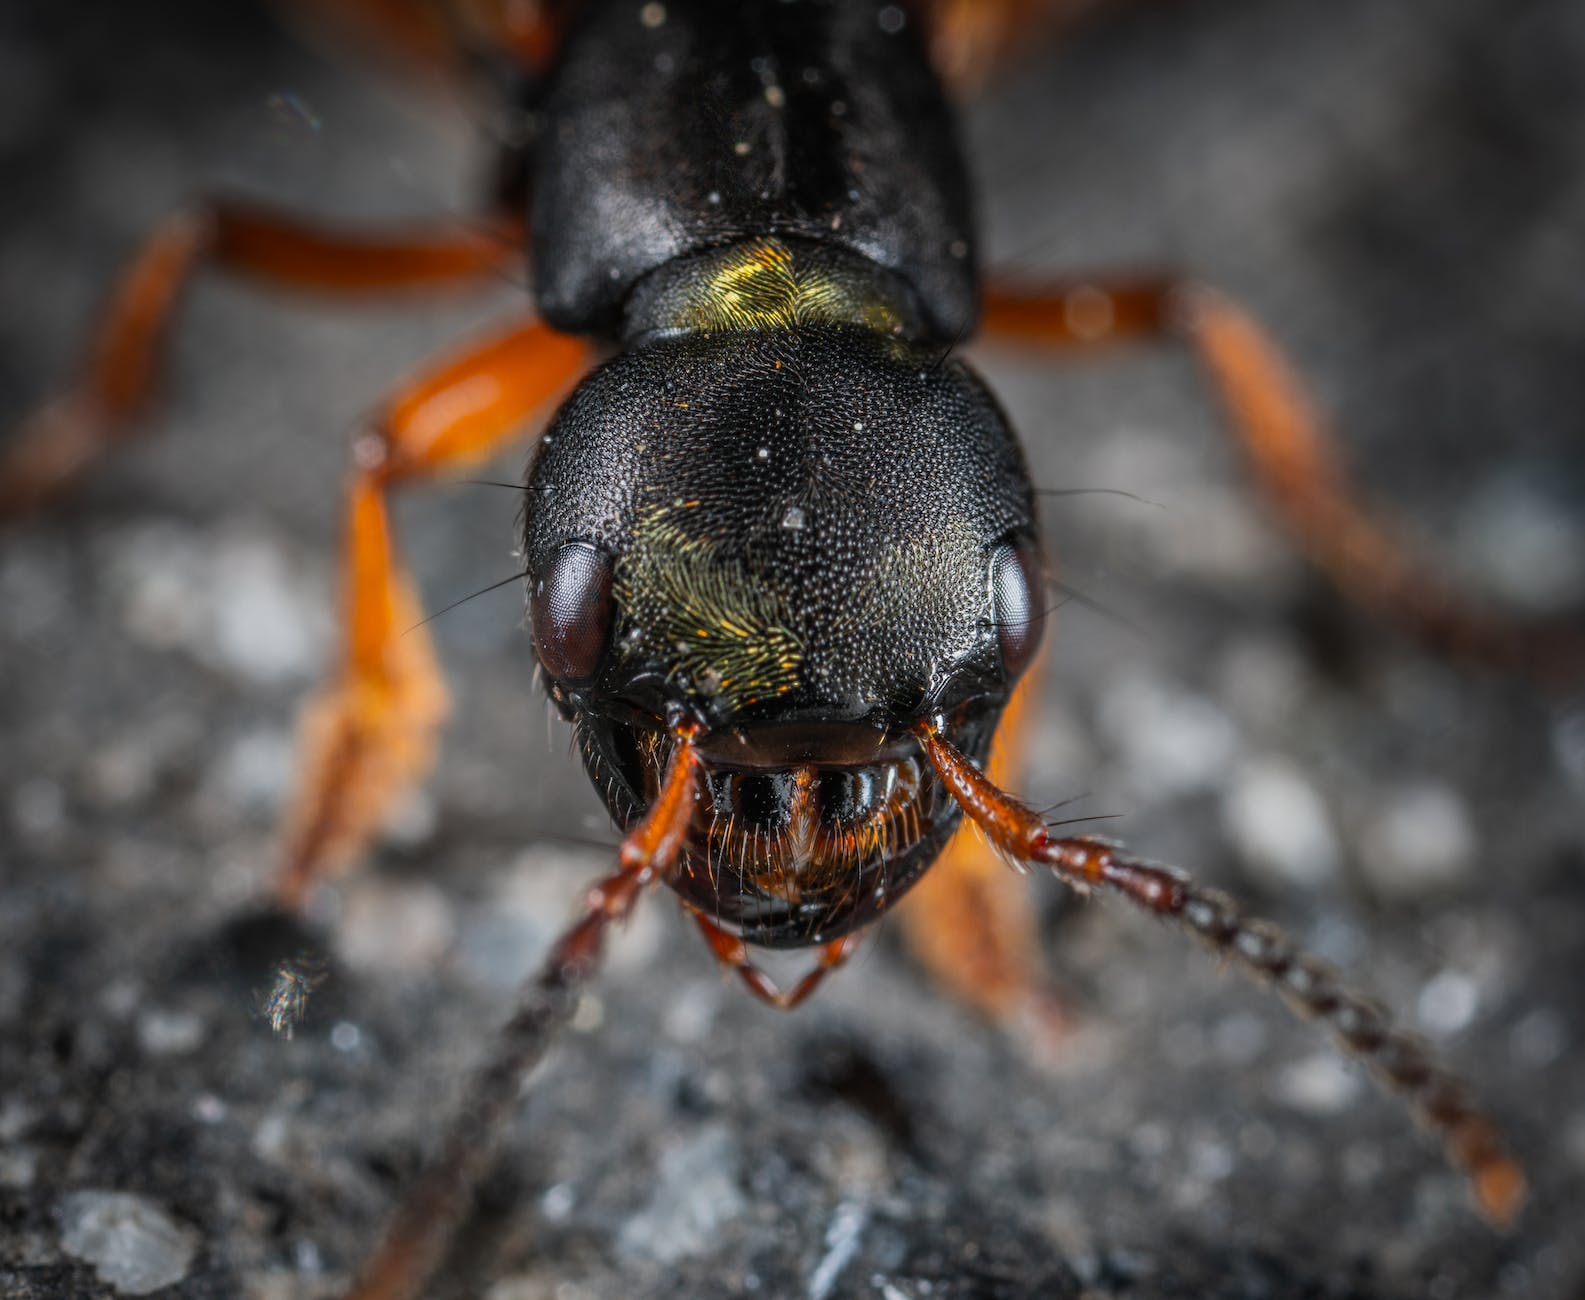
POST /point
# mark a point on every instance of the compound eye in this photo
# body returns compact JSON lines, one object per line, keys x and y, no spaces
{"x":1016,"y":585}
{"x":570,"y":610}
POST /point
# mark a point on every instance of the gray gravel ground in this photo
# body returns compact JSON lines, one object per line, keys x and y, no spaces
{"x":1399,"y":188}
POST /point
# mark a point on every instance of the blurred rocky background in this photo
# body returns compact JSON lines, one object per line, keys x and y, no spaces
{"x":1399,"y":189}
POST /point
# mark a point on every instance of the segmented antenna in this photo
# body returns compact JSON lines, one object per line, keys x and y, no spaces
{"x":1400,"y":1063}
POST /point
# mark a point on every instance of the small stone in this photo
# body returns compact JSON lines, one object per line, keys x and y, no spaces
{"x":163,"y":1032}
{"x":1447,"y":1003}
{"x":17,"y":1167}
{"x":793,"y":519}
{"x":1525,"y":545}
{"x":1239,"y":1038}
{"x":1418,"y":843}
{"x":558,"y":1202}
{"x":590,"y":1014}
{"x":16,"y":1118}
{"x":695,"y":1193}
{"x":208,"y":1108}
{"x":132,"y":1243}
{"x":38,"y":807}
{"x":1279,"y":824}
{"x":271,"y":1139}
{"x":1210,"y":1161}
{"x":255,"y":771}
{"x":391,"y":927}
{"x":1171,"y":743}
{"x":841,"y":1244}
{"x":1321,"y":1084}
{"x":157,"y":570}
{"x":1262,"y":680}
{"x":412,"y":822}
{"x":1539,"y":1038}
{"x":305,"y":1254}
{"x":267,"y":626}
{"x":122,"y":774}
{"x":691,"y":1015}
{"x":1568,"y":744}
{"x":34,"y":588}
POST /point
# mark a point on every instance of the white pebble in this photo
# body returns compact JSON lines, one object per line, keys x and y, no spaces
{"x":265,"y":625}
{"x":1171,"y":743}
{"x":1262,"y":680}
{"x":1419,"y":842}
{"x":16,"y":1118}
{"x":390,"y":927}
{"x":255,"y":771}
{"x":163,"y":1032}
{"x":1568,"y":745}
{"x":1279,"y":824}
{"x":1210,"y":1161}
{"x":1447,"y":1003}
{"x":1525,"y":545}
{"x":1539,"y":1038}
{"x":18,"y":1165}
{"x":1321,"y":1084}
{"x":1239,"y":1038}
{"x":208,"y":1108}
{"x":132,"y":1243}
{"x":695,"y":1195}
{"x":558,"y":1202}
{"x":158,"y":571}
{"x":233,"y":600}
{"x":412,"y":822}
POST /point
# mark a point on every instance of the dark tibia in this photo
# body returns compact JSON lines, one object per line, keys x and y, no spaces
{"x":1400,"y":1063}
{"x":417,"y":1237}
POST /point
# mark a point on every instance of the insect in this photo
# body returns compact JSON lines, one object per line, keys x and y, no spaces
{"x":712,"y":680}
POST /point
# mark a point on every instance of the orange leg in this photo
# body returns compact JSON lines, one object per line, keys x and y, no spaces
{"x":1293,"y":456}
{"x":968,"y":920}
{"x":732,"y":952}
{"x":63,"y":438}
{"x":971,"y":40}
{"x":437,"y":39}
{"x":369,"y":735}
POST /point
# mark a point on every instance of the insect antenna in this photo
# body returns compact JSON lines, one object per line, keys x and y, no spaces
{"x":1264,"y":952}
{"x":1087,"y":492}
{"x":1079,"y":821}
{"x":418,"y":1234}
{"x":483,"y":591}
{"x":1072,"y":593}
{"x":948,"y":350}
